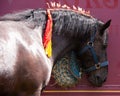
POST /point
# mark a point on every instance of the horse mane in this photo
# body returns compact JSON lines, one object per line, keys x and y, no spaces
{"x":55,"y":6}
{"x":71,"y":21}
{"x":67,"y":21}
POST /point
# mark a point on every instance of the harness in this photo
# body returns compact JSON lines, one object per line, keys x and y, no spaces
{"x":90,"y":47}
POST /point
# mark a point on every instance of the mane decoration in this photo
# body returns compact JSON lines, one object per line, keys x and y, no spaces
{"x":57,"y":6}
{"x":47,"y":43}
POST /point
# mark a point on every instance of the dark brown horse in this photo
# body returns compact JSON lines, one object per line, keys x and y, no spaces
{"x":93,"y":56}
{"x":24,"y":65}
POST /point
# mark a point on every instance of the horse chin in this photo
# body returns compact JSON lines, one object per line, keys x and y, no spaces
{"x":95,"y":81}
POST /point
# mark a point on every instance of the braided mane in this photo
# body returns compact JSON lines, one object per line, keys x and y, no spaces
{"x":55,"y":6}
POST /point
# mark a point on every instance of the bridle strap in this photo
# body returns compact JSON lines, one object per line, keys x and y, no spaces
{"x":93,"y":68}
{"x":90,"y":46}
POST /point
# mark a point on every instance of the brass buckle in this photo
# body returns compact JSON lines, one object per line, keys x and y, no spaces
{"x":90,"y":43}
{"x":97,"y":66}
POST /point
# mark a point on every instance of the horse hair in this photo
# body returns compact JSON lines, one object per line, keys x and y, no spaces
{"x":64,"y":21}
{"x":33,"y":16}
{"x":19,"y":16}
{"x":72,"y":23}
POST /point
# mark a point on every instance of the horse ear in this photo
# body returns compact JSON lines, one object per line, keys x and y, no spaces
{"x":105,"y":26}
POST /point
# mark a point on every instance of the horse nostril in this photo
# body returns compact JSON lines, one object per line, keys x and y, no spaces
{"x":98,"y":78}
{"x":105,"y":79}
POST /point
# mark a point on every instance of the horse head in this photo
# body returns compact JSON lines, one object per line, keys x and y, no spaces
{"x":94,"y":54}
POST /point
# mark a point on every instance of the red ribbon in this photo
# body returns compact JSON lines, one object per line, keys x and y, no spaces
{"x":48,"y":35}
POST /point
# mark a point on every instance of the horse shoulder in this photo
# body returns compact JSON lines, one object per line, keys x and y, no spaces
{"x":23,"y":56}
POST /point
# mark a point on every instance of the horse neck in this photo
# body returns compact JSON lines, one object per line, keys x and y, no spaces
{"x":61,"y":45}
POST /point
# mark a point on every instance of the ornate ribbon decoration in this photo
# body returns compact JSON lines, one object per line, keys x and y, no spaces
{"x":47,"y":43}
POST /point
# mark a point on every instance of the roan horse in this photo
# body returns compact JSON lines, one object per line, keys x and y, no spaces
{"x":24,"y":66}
